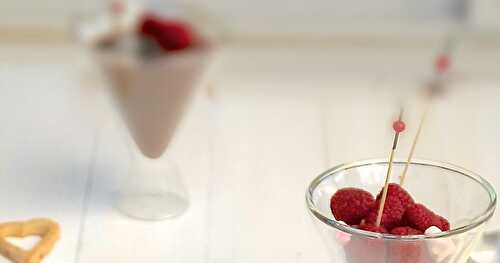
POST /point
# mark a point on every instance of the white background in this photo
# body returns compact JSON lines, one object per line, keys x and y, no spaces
{"x":280,"y":16}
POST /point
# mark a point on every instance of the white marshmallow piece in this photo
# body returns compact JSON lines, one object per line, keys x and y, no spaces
{"x":439,"y":249}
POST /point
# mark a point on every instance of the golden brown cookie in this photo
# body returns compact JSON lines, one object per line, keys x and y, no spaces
{"x":47,"y":229}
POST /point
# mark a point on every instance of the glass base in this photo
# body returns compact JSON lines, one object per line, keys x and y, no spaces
{"x":152,"y":190}
{"x":150,"y":206}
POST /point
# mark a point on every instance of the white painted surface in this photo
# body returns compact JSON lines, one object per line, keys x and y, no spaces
{"x":241,"y":13}
{"x":277,"y":118}
{"x":484,"y":14}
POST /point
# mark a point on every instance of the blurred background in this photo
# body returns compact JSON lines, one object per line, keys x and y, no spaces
{"x":294,"y":88}
{"x":279,"y":18}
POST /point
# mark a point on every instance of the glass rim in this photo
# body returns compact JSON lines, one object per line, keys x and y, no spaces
{"x":486,"y":215}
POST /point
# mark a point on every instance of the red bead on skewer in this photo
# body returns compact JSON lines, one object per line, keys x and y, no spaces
{"x":399,"y":126}
{"x":443,"y":63}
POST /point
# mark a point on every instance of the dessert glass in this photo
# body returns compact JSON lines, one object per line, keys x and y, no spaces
{"x":463,"y":197}
{"x":151,"y":96}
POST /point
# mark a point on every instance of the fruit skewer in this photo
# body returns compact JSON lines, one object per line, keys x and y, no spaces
{"x":435,"y":87}
{"x":398,"y":126}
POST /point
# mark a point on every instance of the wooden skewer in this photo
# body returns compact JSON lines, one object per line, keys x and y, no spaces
{"x":386,"y":188}
{"x":389,"y":171}
{"x":442,"y":66}
{"x":414,"y":144}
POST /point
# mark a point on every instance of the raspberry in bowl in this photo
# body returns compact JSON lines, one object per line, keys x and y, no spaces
{"x":429,"y":219}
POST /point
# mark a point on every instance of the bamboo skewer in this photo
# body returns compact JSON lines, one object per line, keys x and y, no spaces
{"x":414,"y":144}
{"x":434,"y":89}
{"x":389,"y":171}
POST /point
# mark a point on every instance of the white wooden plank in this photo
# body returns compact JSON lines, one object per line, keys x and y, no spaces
{"x":268,"y":147}
{"x":46,"y":141}
{"x":110,"y":236}
{"x":359,"y":119}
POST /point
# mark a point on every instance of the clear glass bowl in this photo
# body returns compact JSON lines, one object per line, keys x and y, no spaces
{"x":463,"y":197}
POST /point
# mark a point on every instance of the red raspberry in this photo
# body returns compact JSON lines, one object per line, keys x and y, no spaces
{"x":403,"y":222}
{"x":405,"y":231}
{"x":442,"y":223}
{"x":351,"y":205}
{"x":175,"y":36}
{"x":421,"y":218}
{"x":170,"y":35}
{"x":150,"y":25}
{"x":392,"y":214}
{"x":402,"y":194}
{"x":373,"y":228}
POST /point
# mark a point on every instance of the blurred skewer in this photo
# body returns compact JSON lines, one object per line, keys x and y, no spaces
{"x":435,"y":87}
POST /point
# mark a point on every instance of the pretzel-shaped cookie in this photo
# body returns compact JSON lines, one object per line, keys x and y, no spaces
{"x":47,"y":229}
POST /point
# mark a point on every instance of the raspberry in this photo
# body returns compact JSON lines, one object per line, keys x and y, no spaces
{"x":421,"y":218}
{"x":392,"y":214}
{"x":170,"y":35}
{"x":150,"y":25}
{"x":174,"y":36}
{"x":442,"y":223}
{"x":405,"y":231}
{"x":403,"y":222}
{"x":373,"y":228}
{"x":351,"y":205}
{"x":402,"y":194}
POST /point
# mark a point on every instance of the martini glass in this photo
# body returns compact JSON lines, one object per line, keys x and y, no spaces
{"x":463,"y":197}
{"x":151,"y":95}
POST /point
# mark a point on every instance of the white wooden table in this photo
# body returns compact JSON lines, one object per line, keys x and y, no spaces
{"x":277,"y":118}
